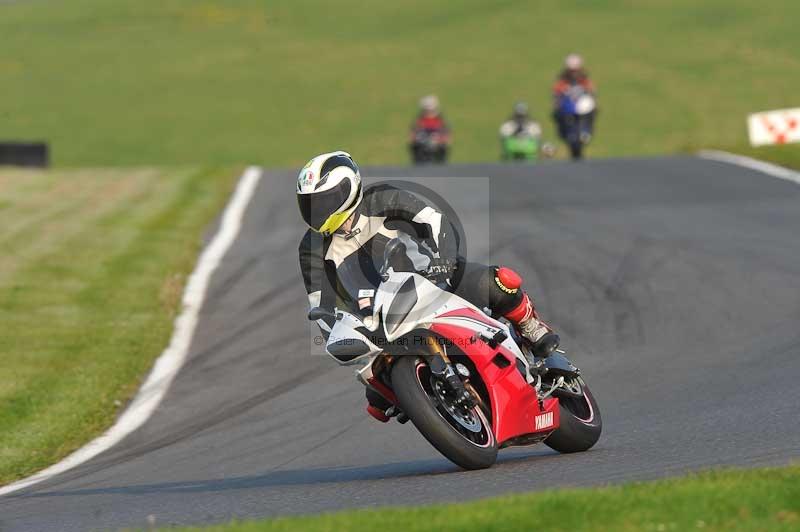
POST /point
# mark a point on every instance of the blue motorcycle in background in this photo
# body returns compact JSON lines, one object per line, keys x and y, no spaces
{"x":574,"y":116}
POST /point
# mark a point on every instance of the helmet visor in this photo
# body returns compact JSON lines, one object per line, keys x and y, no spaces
{"x":317,"y":207}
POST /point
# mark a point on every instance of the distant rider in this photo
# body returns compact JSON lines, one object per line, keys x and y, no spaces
{"x":573,"y":76}
{"x":430,"y":133}
{"x":521,"y":126}
{"x":349,"y":229}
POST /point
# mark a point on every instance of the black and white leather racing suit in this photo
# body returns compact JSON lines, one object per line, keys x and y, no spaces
{"x":386,"y":213}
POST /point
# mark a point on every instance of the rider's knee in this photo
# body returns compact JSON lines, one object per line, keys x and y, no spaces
{"x":507,"y":279}
{"x":506,"y":289}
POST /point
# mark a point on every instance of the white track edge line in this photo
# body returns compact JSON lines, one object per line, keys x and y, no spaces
{"x":168,"y":364}
{"x":754,"y":164}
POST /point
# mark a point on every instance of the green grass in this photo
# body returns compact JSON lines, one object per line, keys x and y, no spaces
{"x":787,"y":155}
{"x":753,"y":500}
{"x":93,"y":266}
{"x":186,"y":82}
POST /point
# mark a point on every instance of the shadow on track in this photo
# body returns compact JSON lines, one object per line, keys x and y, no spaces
{"x":294,"y":477}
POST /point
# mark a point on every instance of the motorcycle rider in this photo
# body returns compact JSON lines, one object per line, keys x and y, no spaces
{"x":573,"y":75}
{"x":428,"y":130}
{"x":520,"y":124}
{"x":349,"y":227}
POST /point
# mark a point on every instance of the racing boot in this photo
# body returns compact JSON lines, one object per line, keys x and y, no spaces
{"x":524,"y":317}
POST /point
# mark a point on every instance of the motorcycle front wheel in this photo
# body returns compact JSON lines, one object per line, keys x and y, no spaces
{"x":576,"y":150}
{"x":581,"y":423}
{"x":463,"y":437}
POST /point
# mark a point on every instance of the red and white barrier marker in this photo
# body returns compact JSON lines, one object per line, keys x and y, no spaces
{"x":774,"y":127}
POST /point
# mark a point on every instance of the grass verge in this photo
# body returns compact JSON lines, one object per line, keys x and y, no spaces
{"x":93,"y":267}
{"x":742,"y":500}
{"x":225,"y":82}
{"x":786,"y":155}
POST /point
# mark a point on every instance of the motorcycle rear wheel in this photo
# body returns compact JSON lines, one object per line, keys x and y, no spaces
{"x":466,"y":439}
{"x":581,"y":423}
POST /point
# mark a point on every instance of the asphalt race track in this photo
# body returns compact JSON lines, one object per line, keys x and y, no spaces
{"x":675,"y":283}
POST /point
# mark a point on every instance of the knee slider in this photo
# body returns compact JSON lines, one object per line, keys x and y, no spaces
{"x":506,"y":291}
{"x":507,"y":280}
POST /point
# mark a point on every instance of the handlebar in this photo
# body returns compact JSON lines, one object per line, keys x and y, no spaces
{"x":319,"y":313}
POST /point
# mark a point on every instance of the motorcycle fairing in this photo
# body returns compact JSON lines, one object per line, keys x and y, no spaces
{"x":418,"y":304}
{"x":346,"y":344}
{"x":409,"y":301}
{"x":514,"y":402}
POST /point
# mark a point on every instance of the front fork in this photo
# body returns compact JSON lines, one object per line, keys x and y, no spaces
{"x":456,"y":375}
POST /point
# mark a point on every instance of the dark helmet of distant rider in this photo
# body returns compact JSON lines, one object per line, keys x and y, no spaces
{"x":520,"y":112}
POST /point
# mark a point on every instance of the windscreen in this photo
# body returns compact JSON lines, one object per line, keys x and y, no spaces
{"x":358,"y":276}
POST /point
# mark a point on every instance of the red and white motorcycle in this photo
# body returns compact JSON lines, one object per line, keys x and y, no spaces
{"x":463,"y":378}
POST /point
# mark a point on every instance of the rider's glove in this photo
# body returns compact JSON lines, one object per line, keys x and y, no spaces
{"x":440,"y":269}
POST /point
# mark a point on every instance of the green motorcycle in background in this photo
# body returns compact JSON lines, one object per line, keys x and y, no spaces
{"x":521,"y":137}
{"x":520,"y":148}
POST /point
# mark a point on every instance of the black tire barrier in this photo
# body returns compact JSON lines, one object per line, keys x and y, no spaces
{"x":33,"y":154}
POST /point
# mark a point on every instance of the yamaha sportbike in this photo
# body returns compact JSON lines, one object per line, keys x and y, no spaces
{"x":466,"y":381}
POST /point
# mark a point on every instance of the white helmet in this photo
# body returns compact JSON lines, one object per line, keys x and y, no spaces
{"x":573,"y":62}
{"x":328,"y":191}
{"x":429,"y":103}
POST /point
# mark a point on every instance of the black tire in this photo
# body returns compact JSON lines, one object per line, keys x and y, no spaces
{"x":408,"y":375}
{"x":581,"y":423}
{"x":576,"y":150}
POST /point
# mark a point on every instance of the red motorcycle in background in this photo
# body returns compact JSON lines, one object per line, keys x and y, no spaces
{"x":429,"y":146}
{"x":463,"y":378}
